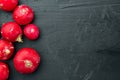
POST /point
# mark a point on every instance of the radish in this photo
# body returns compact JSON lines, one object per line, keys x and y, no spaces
{"x":6,"y":50}
{"x":26,"y":60}
{"x":31,"y":31}
{"x":4,"y":71}
{"x":8,"y":5}
{"x":11,"y":31}
{"x":23,"y":15}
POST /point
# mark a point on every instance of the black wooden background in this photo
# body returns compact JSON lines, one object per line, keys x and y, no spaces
{"x":80,"y":40}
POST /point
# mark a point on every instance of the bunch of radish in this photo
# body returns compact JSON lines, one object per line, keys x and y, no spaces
{"x":27,"y":59}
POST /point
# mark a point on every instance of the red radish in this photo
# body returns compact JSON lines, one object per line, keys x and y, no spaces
{"x":8,"y":5}
{"x":23,"y":15}
{"x":26,"y":60}
{"x":6,"y":50}
{"x":4,"y":71}
{"x":31,"y":31}
{"x":11,"y":31}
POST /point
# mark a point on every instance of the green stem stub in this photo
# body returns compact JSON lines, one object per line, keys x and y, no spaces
{"x":28,"y":63}
{"x":7,"y":51}
{"x":19,"y":38}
